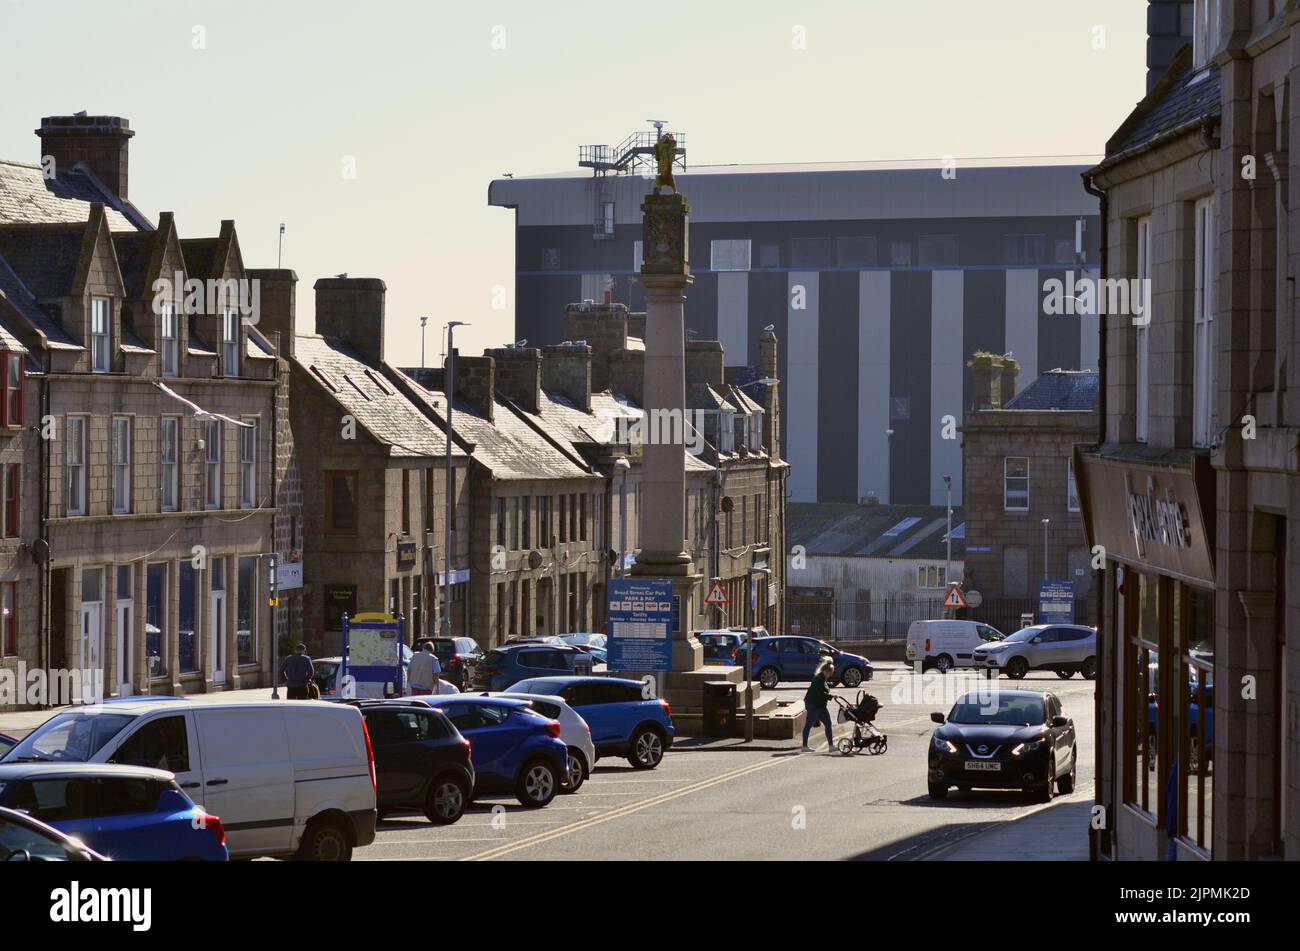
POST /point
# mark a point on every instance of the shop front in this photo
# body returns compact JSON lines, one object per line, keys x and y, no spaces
{"x":1148,"y":521}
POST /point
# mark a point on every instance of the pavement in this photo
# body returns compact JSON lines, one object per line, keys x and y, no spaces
{"x":725,"y":799}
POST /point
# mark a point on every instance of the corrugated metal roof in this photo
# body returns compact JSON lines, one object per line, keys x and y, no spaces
{"x":863,"y":531}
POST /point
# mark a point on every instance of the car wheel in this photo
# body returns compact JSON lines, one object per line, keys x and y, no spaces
{"x":852,"y":677}
{"x":1065,"y":785}
{"x":943,"y":663}
{"x":1043,"y":792}
{"x":647,"y":749}
{"x":324,"y":841}
{"x":769,"y":677}
{"x":1017,"y":667}
{"x":537,"y":784}
{"x":447,"y":801}
{"x":938,"y":791}
{"x":1089,"y":669}
{"x":574,"y":775}
{"x":1064,"y":673}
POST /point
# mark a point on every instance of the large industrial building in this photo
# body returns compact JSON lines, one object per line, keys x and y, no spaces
{"x":880,"y":281}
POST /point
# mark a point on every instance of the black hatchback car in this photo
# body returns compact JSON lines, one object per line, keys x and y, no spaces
{"x":1003,"y":739}
{"x":458,"y":656}
{"x":422,"y":762}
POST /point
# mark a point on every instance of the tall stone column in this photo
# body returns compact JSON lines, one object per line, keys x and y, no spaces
{"x":665,"y":274}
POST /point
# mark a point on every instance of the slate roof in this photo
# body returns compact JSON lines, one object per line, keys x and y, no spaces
{"x":9,"y":342}
{"x":13,"y":290}
{"x":1181,"y":96}
{"x":199,"y":255}
{"x":1065,"y":390}
{"x":134,"y":254}
{"x":568,"y":425}
{"x":875,"y":531}
{"x":27,"y":197}
{"x":382,"y":410}
{"x":45,"y":258}
{"x":507,"y":445}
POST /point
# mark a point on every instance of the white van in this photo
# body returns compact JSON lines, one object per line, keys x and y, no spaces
{"x":944,"y":645}
{"x":288,"y":779}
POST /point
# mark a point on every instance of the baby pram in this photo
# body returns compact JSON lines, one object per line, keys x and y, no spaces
{"x":865,"y":735}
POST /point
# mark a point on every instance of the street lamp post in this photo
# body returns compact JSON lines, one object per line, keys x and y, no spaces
{"x":947,"y":570}
{"x":449,"y":386}
{"x":423,"y":321}
{"x":1046,"y":521}
{"x":622,"y":465}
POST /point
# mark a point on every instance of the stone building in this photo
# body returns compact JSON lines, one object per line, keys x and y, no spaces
{"x":147,"y":513}
{"x":1192,"y":490}
{"x":372,"y":471}
{"x":1019,"y":459}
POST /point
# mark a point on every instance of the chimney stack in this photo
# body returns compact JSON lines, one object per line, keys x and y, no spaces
{"x":1169,"y":29}
{"x":566,"y":371}
{"x":519,"y":375}
{"x":768,"y":365}
{"x":1010,"y":370}
{"x":475,"y":383}
{"x":278,"y":296}
{"x":986,"y":380}
{"x":102,"y":142}
{"x":704,"y":363}
{"x":627,"y":374}
{"x":605,"y":328}
{"x":351,"y":309}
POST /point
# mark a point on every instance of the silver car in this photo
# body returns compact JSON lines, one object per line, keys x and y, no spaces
{"x":1063,"y":648}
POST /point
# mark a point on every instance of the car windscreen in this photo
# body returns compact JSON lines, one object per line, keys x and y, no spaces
{"x":69,"y":738}
{"x":999,"y":710}
{"x":1024,"y":634}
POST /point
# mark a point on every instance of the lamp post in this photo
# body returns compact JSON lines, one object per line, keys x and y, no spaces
{"x":1046,"y":521}
{"x":622,"y":465}
{"x":749,"y":652}
{"x":947,"y":570}
{"x":449,"y":386}
{"x":423,"y":321}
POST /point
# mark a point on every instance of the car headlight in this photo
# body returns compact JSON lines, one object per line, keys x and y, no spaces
{"x":942,"y":745}
{"x":1029,"y":747}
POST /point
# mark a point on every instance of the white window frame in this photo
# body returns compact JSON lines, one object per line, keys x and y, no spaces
{"x":248,"y":466}
{"x":1206,"y":31}
{"x":169,"y":339}
{"x":170,"y":467}
{"x":75,"y":465}
{"x":1142,"y":334}
{"x":212,"y":465}
{"x":1071,"y":487}
{"x":730,"y":254}
{"x":1204,"y":347}
{"x":120,"y":455}
{"x":101,"y":330}
{"x":230,"y":322}
{"x":1006,"y":479}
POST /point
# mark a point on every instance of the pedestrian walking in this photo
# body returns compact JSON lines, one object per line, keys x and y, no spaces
{"x":814,"y":705}
{"x":297,"y":672}
{"x":425,"y":671}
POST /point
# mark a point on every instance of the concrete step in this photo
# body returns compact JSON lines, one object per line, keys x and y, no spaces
{"x":776,"y":721}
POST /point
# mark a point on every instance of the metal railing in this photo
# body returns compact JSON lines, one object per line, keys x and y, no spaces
{"x":887,"y":619}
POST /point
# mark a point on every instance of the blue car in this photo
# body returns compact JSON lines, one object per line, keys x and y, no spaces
{"x":512,"y":748}
{"x":127,"y":813}
{"x":785,"y":658}
{"x":537,"y":657}
{"x":623,"y":721}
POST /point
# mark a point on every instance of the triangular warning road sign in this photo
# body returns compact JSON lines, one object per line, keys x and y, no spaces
{"x":955,"y":598}
{"x":716,"y":594}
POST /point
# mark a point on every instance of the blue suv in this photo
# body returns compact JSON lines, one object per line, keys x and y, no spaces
{"x":511,"y":663}
{"x":512,"y":748}
{"x":124,"y":812}
{"x":623,"y":721}
{"x":779,"y":659}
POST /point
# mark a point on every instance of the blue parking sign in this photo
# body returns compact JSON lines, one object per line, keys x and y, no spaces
{"x":640,"y":625}
{"x":1056,"y":602}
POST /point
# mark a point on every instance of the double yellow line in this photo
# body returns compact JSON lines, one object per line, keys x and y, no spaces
{"x":622,"y":811}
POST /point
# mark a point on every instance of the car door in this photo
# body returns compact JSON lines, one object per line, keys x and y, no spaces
{"x":165,"y":742}
{"x":1062,"y":737}
{"x":248,"y":776}
{"x":64,"y":802}
{"x":613,"y":710}
{"x":128,"y":824}
{"x":1044,"y":649}
{"x":1079,"y":644}
{"x":390,"y":739}
{"x":798,"y":658}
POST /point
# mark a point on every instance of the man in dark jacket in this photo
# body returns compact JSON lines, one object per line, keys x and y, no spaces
{"x":297,"y":672}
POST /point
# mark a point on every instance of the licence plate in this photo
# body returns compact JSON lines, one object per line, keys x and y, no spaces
{"x":983,"y":766}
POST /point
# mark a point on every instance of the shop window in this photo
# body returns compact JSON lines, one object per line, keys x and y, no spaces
{"x":155,"y":622}
{"x":1142,"y":781}
{"x":246,"y":632}
{"x":1196,"y":716}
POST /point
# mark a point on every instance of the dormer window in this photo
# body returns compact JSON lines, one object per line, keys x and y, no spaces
{"x":170,"y":340}
{"x":11,"y":398}
{"x":101,"y":310}
{"x":230,"y":341}
{"x":756,"y":431}
{"x":728,"y":439}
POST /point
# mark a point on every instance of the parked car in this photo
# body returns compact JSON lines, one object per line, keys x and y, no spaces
{"x":1064,"y":648}
{"x":574,"y":731}
{"x":944,"y":645}
{"x":789,"y":658}
{"x":623,"y":721}
{"x":457,"y":656}
{"x":726,"y":648}
{"x":511,"y":663}
{"x":7,"y":743}
{"x":24,"y":839}
{"x":288,"y":779}
{"x":421,"y":760}
{"x":585,"y":641}
{"x":124,"y":812}
{"x":1020,"y":740}
{"x":513,"y":748}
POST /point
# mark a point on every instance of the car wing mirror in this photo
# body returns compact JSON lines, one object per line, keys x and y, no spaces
{"x":937,"y":718}
{"x":1060,"y":721}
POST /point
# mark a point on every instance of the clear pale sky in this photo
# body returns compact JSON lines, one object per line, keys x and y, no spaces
{"x":258,"y":125}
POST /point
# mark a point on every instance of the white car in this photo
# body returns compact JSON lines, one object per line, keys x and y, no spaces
{"x":573,"y":731}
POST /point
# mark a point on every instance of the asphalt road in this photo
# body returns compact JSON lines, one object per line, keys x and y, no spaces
{"x":729,"y":800}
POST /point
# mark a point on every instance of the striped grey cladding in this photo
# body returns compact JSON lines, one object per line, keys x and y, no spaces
{"x":802,"y":384}
{"x":985,"y":321}
{"x":873,"y":374}
{"x":839,"y":379}
{"x":909,"y":345}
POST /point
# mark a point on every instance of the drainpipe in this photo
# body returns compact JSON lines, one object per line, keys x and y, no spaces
{"x":43,"y":645}
{"x":1099,"y":578}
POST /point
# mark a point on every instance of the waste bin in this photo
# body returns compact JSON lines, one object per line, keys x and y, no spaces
{"x":719,"y":708}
